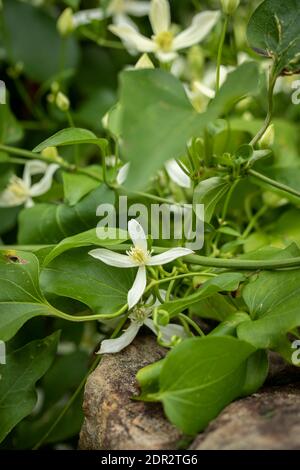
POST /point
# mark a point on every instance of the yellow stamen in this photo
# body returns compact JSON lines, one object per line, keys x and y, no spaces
{"x":139,"y":256}
{"x":17,"y":187}
{"x":164,"y":40}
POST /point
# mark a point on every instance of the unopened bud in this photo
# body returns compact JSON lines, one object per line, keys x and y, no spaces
{"x":144,"y":62}
{"x":229,"y":6}
{"x":50,"y":152}
{"x":268,"y":138}
{"x":65,"y":23}
{"x":62,"y":102}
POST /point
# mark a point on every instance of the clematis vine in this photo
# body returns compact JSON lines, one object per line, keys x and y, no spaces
{"x":164,"y":43}
{"x":119,"y":10}
{"x":138,"y":257}
{"x":140,"y":316}
{"x":21,"y":190}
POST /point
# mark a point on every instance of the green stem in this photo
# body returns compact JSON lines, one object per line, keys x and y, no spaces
{"x":100,"y":316}
{"x":101,"y":41}
{"x":162,"y":200}
{"x":274,"y":183}
{"x":37,"y":156}
{"x":77,"y":391}
{"x":220,"y":52}
{"x":192,"y":323}
{"x":238,"y":264}
{"x":228,"y":199}
{"x":253,"y":221}
{"x":261,"y":132}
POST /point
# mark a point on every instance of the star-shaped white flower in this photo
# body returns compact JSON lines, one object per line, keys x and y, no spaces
{"x":117,"y":9}
{"x":21,"y":190}
{"x":138,"y":257}
{"x":140,"y":316}
{"x":163,"y":42}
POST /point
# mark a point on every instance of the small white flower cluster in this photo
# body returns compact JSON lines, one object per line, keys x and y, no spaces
{"x":21,"y":190}
{"x":163,"y":43}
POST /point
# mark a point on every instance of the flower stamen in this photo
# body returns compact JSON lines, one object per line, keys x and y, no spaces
{"x":138,"y":255}
{"x":164,"y":41}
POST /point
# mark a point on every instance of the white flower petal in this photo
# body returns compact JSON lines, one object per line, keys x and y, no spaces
{"x":34,"y":167}
{"x":123,"y":173}
{"x":138,"y":287}
{"x":9,"y":199}
{"x":160,"y":16}
{"x":87,"y":16}
{"x":137,"y":234}
{"x":169,"y":256}
{"x":45,"y":183}
{"x":112,"y":259}
{"x":177,"y":174}
{"x":204,"y":90}
{"x":137,"y":8}
{"x":166,"y":57}
{"x":123,"y":20}
{"x":111,"y":346}
{"x":130,"y":36}
{"x":201,"y":25}
{"x":29,"y":203}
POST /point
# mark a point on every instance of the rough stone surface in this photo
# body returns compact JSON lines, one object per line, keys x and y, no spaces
{"x":268,"y":420}
{"x":112,"y":420}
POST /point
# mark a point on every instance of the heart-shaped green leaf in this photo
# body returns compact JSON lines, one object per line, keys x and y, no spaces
{"x":274,"y":31}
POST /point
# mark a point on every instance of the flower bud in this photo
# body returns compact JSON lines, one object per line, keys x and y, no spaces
{"x":65,"y":23}
{"x":229,"y":6}
{"x":268,"y":138}
{"x":144,"y":63}
{"x":62,"y":102}
{"x":50,"y":152}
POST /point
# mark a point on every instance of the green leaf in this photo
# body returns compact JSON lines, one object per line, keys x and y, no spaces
{"x":210,"y":192}
{"x":20,"y":295}
{"x":228,"y":282}
{"x":158,"y":119}
{"x":229,"y":325}
{"x":71,"y":136}
{"x":256,"y":372}
{"x":274,"y":31}
{"x":76,"y":186}
{"x":99,"y":237}
{"x":199,"y":378}
{"x":217,"y":307}
{"x":34,"y":41}
{"x":19,"y":375}
{"x":10,"y":129}
{"x":77,"y":275}
{"x":273,"y":302}
{"x":55,"y":222}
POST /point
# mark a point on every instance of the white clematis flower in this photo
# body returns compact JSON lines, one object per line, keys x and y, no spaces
{"x":138,"y":257}
{"x":177,"y":174}
{"x":139,"y":317}
{"x":163,"y":42}
{"x":20,"y":190}
{"x":117,"y":9}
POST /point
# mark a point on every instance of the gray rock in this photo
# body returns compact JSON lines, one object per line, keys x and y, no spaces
{"x":268,"y":420}
{"x":112,"y":419}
